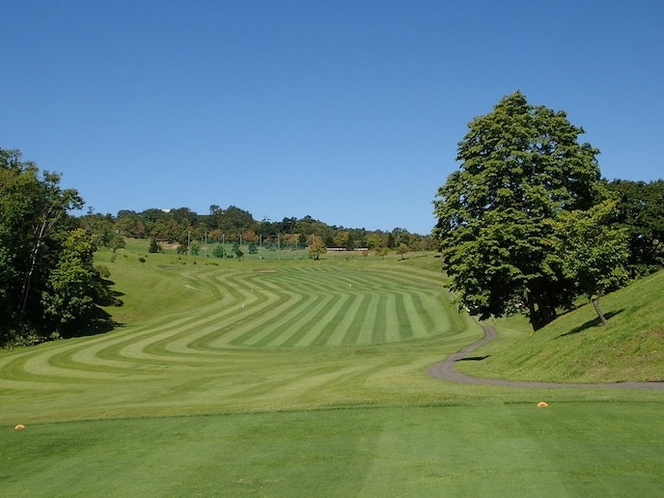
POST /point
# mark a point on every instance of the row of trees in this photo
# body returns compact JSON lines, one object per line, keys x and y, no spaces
{"x":48,"y":284}
{"x":183,"y":226}
{"x":528,"y":225}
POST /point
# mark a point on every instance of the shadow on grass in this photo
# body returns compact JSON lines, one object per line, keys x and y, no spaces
{"x":474,"y":358}
{"x":97,"y":320}
{"x":590,"y":324}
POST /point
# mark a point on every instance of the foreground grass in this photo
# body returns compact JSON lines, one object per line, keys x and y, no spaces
{"x":568,"y":449}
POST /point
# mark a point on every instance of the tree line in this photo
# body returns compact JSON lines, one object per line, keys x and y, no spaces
{"x":528,"y":225}
{"x":188,"y":230}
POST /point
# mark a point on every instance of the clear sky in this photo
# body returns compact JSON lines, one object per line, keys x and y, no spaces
{"x":347,"y":111}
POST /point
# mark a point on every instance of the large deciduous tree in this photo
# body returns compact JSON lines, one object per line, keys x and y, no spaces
{"x":521,"y":165}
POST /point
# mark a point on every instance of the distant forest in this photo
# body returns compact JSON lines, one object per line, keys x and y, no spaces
{"x":188,"y":229}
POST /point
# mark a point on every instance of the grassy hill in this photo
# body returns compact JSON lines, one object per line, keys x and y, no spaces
{"x":577,"y":348}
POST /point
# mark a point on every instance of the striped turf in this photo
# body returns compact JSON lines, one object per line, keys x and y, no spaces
{"x":254,"y":336}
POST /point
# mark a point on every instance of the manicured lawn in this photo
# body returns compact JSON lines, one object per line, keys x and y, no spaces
{"x":568,"y":449}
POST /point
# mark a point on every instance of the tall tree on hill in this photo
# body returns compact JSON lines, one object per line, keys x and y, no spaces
{"x":521,"y":165}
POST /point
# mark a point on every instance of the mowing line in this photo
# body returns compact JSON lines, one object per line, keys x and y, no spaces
{"x":369,"y":320}
{"x":382,"y":321}
{"x":341,"y":330}
{"x":356,"y":319}
{"x":331,"y":319}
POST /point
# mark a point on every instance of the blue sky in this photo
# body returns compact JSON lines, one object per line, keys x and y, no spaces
{"x":347,"y":111}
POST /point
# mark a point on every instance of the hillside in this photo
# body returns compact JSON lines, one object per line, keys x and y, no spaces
{"x":577,"y":348}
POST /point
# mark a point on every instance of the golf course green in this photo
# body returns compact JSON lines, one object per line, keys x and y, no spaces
{"x":283,"y":376}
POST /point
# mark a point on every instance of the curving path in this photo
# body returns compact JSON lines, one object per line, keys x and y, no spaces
{"x":445,"y":371}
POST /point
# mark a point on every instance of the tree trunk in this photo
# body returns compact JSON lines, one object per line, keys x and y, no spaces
{"x":25,"y":290}
{"x":542,"y":312}
{"x":599,"y":311}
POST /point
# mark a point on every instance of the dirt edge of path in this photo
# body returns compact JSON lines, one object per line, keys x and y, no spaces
{"x":445,"y":370}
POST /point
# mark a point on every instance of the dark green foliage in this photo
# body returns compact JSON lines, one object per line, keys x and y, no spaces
{"x":641,"y":213}
{"x":218,"y":251}
{"x":71,"y":295}
{"x":593,"y":251}
{"x":521,"y":166}
{"x":154,"y":247}
{"x":182,"y":226}
{"x":42,"y":285}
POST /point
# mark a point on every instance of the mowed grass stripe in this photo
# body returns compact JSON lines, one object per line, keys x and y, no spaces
{"x":306,"y":326}
{"x":296,"y":317}
{"x":370,"y":319}
{"x":277,"y":327}
{"x":208,"y":324}
{"x":327,"y":324}
{"x":340,"y":332}
{"x":355,"y":321}
{"x":253,"y":318}
{"x":378,"y":332}
{"x":198,"y":339}
{"x":416,"y":319}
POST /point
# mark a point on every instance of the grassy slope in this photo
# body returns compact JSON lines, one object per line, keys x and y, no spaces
{"x":577,"y":348}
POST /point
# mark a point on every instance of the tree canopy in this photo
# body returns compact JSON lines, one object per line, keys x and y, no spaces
{"x":521,"y":167}
{"x":47,"y":282}
{"x":640,"y":211}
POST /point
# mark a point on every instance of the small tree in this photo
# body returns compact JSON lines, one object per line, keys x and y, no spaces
{"x":594,"y":251}
{"x":116,"y":242}
{"x":382,"y":251}
{"x":218,"y":251}
{"x":155,"y":247}
{"x":402,"y":250}
{"x":317,"y":249}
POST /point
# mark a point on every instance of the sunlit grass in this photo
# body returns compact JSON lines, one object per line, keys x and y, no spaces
{"x":292,"y":377}
{"x":577,"y":348}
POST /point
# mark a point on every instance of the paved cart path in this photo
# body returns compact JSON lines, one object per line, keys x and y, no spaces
{"x":445,"y":371}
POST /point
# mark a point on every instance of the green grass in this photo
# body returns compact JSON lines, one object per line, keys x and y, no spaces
{"x":568,"y":449}
{"x":273,"y":377}
{"x":577,"y":348}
